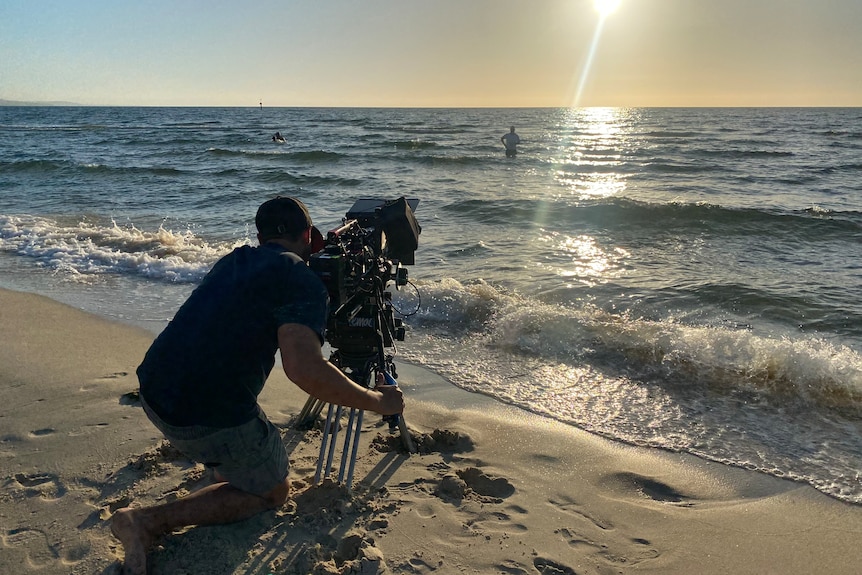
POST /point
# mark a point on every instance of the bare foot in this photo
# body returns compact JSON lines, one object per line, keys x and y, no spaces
{"x":136,"y":539}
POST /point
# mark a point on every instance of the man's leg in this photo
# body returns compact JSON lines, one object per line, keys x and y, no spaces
{"x":251,"y":456}
{"x":219,"y":503}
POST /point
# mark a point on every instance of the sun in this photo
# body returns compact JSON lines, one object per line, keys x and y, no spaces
{"x":606,"y":7}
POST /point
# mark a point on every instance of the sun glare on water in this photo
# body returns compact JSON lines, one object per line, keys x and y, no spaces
{"x":606,"y":7}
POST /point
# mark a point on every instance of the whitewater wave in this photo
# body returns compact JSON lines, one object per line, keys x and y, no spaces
{"x":718,"y":360}
{"x":92,"y":249}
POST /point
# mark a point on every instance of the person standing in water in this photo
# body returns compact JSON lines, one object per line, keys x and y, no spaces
{"x":511,"y":141}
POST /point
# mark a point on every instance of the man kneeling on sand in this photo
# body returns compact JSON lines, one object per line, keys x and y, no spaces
{"x":200,"y":379}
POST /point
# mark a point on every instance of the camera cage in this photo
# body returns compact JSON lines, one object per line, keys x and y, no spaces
{"x":358,"y":261}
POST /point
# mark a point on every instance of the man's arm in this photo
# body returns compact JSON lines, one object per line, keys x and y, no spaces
{"x":305,"y":366}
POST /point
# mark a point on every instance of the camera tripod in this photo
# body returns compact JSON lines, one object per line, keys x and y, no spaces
{"x":362,"y":363}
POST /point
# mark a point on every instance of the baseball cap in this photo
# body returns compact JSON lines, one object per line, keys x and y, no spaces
{"x":282,"y":216}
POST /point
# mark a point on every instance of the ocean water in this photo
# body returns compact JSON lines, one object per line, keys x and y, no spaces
{"x":685,"y":279}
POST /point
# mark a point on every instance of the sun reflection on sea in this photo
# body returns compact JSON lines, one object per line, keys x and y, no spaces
{"x":589,"y":165}
{"x":583,"y":259}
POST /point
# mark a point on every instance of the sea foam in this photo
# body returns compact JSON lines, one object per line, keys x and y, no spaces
{"x":86,"y":248}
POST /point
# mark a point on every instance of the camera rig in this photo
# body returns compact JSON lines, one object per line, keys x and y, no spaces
{"x":357,"y":263}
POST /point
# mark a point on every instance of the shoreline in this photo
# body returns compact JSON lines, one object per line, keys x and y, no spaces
{"x":498,"y":489}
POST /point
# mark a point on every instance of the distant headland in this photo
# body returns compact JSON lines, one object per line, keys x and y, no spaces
{"x":18,"y":103}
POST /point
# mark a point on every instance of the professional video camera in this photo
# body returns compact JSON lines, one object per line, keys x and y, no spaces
{"x":358,"y":262}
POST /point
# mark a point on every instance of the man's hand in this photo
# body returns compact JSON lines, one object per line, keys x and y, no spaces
{"x":391,"y":399}
{"x":304,"y":365}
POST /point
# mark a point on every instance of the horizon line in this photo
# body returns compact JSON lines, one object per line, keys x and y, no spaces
{"x":61,"y":104}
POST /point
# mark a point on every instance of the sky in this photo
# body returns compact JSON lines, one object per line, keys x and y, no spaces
{"x":432,"y":53}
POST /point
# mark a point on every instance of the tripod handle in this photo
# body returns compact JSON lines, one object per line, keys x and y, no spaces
{"x":397,"y":420}
{"x":388,"y":378}
{"x":392,"y":420}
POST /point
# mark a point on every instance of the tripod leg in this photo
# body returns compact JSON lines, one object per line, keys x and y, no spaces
{"x":334,"y":433}
{"x":355,"y":449}
{"x":346,"y":449}
{"x":315,"y":411}
{"x":310,"y":411}
{"x":402,"y":425}
{"x":406,"y":439}
{"x":306,"y":410}
{"x":323,"y":441}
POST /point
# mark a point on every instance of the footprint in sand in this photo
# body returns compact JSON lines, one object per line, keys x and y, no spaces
{"x":115,"y":375}
{"x":132,"y":398}
{"x":569,"y":505}
{"x":496,"y":522}
{"x":615,"y":550}
{"x":513,"y":568}
{"x":34,"y":543}
{"x":40,"y":553}
{"x":549,"y":567}
{"x":453,"y":487}
{"x":612,"y":547}
{"x":649,"y":488}
{"x":100,"y":382}
{"x":45,"y":485}
{"x":482,"y":484}
{"x":88,"y":428}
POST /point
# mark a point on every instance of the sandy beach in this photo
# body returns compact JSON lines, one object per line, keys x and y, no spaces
{"x":493,"y":489}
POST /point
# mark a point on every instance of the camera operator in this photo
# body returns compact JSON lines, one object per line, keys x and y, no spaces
{"x":200,"y":379}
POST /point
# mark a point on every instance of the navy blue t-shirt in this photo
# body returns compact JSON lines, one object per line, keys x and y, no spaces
{"x":210,"y":363}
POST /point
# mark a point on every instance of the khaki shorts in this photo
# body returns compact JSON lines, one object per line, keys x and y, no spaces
{"x":251,"y":456}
